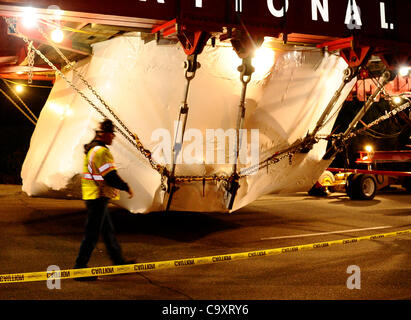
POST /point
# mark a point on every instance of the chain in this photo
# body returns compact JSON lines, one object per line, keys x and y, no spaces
{"x":190,"y":67}
{"x":276,"y":157}
{"x":301,"y":145}
{"x":30,"y":58}
{"x":11,"y":24}
{"x":246,"y":70}
{"x":145,"y":152}
{"x":384,"y":117}
{"x":135,"y":141}
{"x":217,"y":178}
{"x":273,"y":159}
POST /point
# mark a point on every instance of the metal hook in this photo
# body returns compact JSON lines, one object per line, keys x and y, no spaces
{"x":191,"y":65}
{"x":246,"y":70}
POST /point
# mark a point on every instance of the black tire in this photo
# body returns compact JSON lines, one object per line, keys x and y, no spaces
{"x":364,"y":187}
{"x":349,"y":185}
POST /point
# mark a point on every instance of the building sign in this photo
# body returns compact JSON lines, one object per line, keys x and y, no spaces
{"x":374,"y":19}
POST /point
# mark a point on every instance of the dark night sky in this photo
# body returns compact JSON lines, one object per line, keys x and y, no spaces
{"x":16,"y":129}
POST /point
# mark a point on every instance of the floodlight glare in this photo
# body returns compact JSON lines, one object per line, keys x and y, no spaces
{"x":404,"y":71}
{"x":396,"y":100}
{"x":263,"y":60}
{"x":57,"y":36}
{"x":29,"y":18}
{"x":19,"y":88}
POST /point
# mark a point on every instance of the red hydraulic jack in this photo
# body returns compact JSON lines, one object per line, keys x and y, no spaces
{"x":193,"y":43}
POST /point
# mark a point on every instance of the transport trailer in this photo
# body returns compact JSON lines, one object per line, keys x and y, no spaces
{"x":362,"y":184}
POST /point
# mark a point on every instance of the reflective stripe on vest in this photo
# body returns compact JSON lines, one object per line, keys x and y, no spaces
{"x":96,"y":177}
{"x":105,"y":167}
{"x":97,"y":163}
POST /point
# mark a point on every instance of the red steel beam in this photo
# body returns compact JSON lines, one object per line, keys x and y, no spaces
{"x":337,"y":44}
{"x":402,"y":155}
{"x":165,"y":26}
{"x":16,"y":68}
{"x":377,"y":172}
{"x":13,"y":76}
{"x":383,"y":19}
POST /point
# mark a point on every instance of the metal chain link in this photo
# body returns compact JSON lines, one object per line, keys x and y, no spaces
{"x":275,"y":158}
{"x":80,"y":76}
{"x":162,"y":170}
{"x":139,"y":145}
{"x":217,"y":178}
{"x":136,"y":142}
{"x":340,"y":136}
{"x":30,"y":61}
{"x":11,"y":23}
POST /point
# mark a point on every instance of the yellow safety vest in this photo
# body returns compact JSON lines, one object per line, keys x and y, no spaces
{"x":97,"y":163}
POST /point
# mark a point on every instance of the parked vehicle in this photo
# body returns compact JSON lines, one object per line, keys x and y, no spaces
{"x":363,"y":184}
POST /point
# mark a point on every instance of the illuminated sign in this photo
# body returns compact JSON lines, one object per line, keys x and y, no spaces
{"x":375,"y":19}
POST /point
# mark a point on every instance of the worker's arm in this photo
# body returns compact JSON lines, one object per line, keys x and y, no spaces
{"x":107,"y":168}
{"x":114,"y":180}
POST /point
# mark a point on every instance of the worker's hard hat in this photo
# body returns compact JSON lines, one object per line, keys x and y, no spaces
{"x":106,"y":126}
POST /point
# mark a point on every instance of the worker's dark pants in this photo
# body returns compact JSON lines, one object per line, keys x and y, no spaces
{"x":98,"y":220}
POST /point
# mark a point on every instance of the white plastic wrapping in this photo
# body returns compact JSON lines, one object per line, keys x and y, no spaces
{"x":144,"y":85}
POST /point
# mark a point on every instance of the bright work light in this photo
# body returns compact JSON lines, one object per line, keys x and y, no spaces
{"x":29,"y":18}
{"x":263,"y":60}
{"x":396,"y":100}
{"x":57,"y":36}
{"x":404,"y":71}
{"x":19,"y":88}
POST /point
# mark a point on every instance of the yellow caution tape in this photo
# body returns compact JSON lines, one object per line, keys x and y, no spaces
{"x":140,"y":267}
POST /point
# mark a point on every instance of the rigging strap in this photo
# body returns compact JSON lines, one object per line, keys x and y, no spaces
{"x":190,"y":67}
{"x":246,"y":70}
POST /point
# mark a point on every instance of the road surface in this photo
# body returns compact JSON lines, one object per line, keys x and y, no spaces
{"x":39,"y":232}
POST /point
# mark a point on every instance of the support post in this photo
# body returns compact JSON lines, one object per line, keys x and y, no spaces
{"x":244,"y":45}
{"x":193,"y":44}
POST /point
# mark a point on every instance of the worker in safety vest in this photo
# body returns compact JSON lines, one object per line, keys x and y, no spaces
{"x":100,"y":183}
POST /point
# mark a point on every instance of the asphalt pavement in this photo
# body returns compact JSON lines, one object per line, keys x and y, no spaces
{"x":39,"y":232}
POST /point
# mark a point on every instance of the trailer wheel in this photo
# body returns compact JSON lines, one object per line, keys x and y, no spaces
{"x":349,"y":185}
{"x":362,"y":187}
{"x":318,"y":190}
{"x":327,"y":177}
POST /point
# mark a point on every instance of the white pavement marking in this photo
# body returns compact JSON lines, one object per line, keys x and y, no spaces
{"x":323,"y":233}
